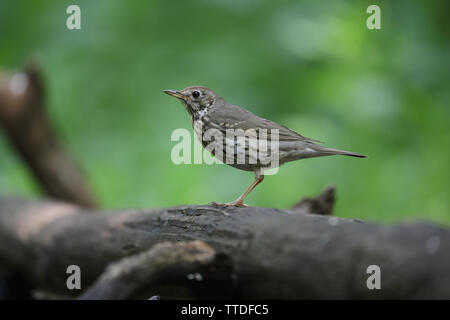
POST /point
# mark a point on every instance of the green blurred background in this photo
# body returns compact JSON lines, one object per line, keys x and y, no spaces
{"x":311,"y":65}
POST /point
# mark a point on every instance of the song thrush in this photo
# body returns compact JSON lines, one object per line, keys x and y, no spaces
{"x":210,"y":112}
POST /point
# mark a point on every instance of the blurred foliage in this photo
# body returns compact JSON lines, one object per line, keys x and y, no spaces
{"x":311,"y":65}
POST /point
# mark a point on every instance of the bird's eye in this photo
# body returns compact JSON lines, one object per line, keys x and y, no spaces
{"x":196,"y":94}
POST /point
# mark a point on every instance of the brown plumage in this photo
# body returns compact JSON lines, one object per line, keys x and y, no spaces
{"x":211,"y":112}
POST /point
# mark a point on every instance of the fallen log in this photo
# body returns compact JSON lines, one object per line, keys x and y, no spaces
{"x":269,"y":253}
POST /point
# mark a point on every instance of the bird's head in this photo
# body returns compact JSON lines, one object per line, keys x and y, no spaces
{"x":197,"y":100}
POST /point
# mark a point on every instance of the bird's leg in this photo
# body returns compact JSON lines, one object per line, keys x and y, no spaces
{"x":239,"y":202}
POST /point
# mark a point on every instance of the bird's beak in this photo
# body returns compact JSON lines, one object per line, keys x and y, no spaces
{"x":176,"y":94}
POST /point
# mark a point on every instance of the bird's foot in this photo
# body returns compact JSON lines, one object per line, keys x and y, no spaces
{"x":237,"y":203}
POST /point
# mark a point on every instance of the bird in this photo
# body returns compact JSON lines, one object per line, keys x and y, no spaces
{"x":210,"y":112}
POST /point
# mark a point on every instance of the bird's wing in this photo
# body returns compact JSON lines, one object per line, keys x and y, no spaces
{"x":233,"y":117}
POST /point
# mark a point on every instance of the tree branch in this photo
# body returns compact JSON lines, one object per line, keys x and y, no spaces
{"x":323,"y":204}
{"x":23,"y":116}
{"x":273,"y":253}
{"x":183,"y":265}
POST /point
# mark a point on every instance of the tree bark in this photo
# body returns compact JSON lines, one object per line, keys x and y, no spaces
{"x":185,"y":265}
{"x":269,"y":253}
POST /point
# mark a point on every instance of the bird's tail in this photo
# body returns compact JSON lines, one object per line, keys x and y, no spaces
{"x":331,"y":151}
